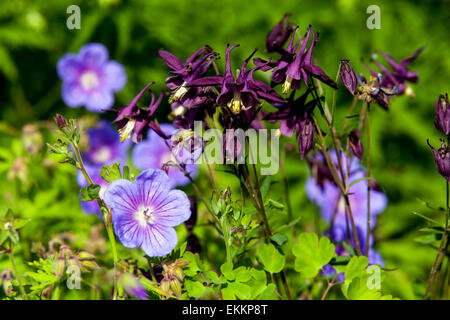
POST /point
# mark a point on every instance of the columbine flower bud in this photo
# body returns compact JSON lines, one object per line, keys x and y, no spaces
{"x":442,"y":121}
{"x":279,"y":34}
{"x":60,"y":121}
{"x":348,"y":76}
{"x":355,"y":144}
{"x":305,"y":136}
{"x":442,"y":158}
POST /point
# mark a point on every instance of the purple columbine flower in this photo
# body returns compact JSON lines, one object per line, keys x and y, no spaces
{"x":296,"y":116}
{"x":183,"y":74}
{"x":145,"y":212}
{"x":442,"y":159}
{"x":348,"y":76}
{"x":279,"y":34}
{"x":153,"y":153}
{"x":293,"y":66}
{"x":104,"y":149}
{"x":400,"y":74}
{"x":90,"y":79}
{"x":132,"y":118}
{"x":326,"y":195}
{"x":243,"y":92}
{"x":373,"y":92}
{"x":442,"y":121}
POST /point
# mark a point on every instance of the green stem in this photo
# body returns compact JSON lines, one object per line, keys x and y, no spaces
{"x":106,"y":216}
{"x":441,"y":246}
{"x":368,"y":182}
{"x":16,"y":272}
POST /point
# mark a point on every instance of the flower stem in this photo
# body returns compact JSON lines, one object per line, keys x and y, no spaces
{"x":441,"y":246}
{"x":368,"y":175}
{"x":340,"y":182}
{"x":16,"y":272}
{"x":106,"y":216}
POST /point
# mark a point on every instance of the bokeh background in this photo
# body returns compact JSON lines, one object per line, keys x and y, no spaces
{"x":33,"y":36}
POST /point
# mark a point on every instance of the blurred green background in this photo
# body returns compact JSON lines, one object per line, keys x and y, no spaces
{"x":33,"y":36}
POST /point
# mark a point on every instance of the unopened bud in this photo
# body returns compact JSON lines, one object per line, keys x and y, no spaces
{"x":60,"y":121}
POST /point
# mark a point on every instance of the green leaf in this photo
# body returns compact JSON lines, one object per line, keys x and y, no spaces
{"x":356,"y":268}
{"x":269,"y":293}
{"x":227,"y":271}
{"x":242,"y":274}
{"x":312,"y":254}
{"x":288,"y":226}
{"x":242,"y":291}
{"x":90,"y":192}
{"x":214,"y":277}
{"x":279,"y":239}
{"x":270,"y":257}
{"x":111,"y":173}
{"x":194,"y":288}
{"x":265,"y":186}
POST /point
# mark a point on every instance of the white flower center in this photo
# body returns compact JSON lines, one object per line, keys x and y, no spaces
{"x":102,"y":155}
{"x":89,"y":80}
{"x":145,"y":216}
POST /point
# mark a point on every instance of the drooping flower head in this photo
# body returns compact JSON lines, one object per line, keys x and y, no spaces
{"x":145,"y":212}
{"x":104,"y":148}
{"x":153,"y":153}
{"x":442,"y":120}
{"x":442,"y":159}
{"x":348,"y":76}
{"x":296,"y":116}
{"x":90,"y":79}
{"x":183,"y":74}
{"x":373,"y":92}
{"x":133,"y":118}
{"x":279,"y":34}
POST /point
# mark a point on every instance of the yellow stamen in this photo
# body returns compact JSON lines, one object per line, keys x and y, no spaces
{"x":286,"y":85}
{"x":125,"y":132}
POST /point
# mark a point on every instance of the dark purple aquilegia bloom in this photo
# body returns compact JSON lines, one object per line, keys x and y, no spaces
{"x":293,"y":66}
{"x":296,"y":116}
{"x":145,"y":212}
{"x":400,"y":74}
{"x":279,"y":34}
{"x":348,"y":76}
{"x":183,"y":74}
{"x":90,"y":79}
{"x":442,"y":121}
{"x":373,"y":92}
{"x":132,"y":118}
{"x":243,"y":92}
{"x":442,"y":159}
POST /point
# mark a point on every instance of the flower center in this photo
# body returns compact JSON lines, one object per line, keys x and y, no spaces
{"x":145,"y":216}
{"x":102,"y":155}
{"x":89,"y":80}
{"x":236,"y":104}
